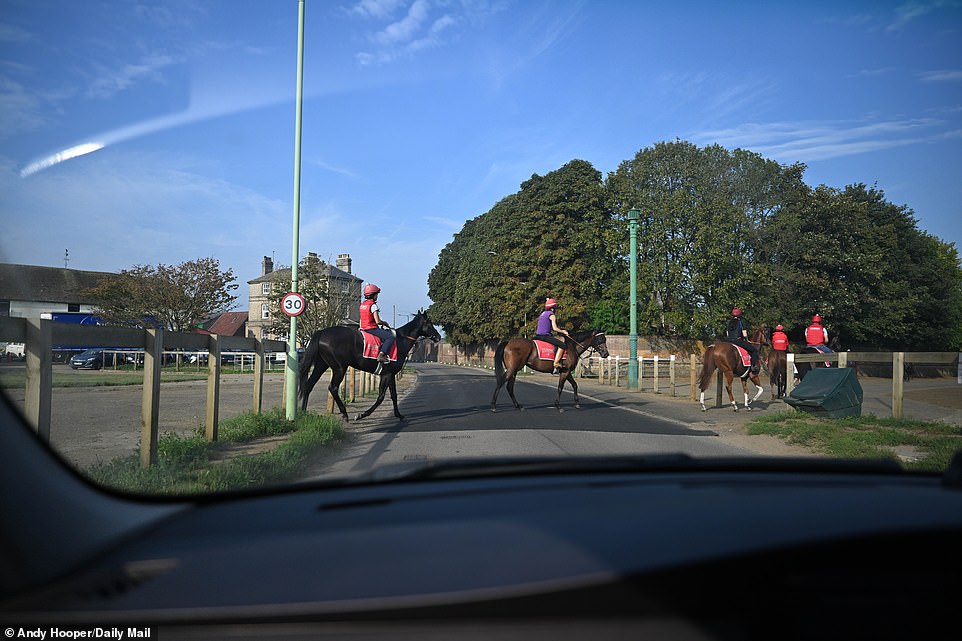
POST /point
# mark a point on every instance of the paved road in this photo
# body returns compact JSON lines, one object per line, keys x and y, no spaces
{"x":448,"y":415}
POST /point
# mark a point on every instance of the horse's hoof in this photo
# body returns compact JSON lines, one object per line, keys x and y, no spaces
{"x":494,"y":409}
{"x":577,"y":406}
{"x":358,"y":417}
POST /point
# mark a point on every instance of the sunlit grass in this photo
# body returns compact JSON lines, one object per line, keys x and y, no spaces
{"x":192,"y":465}
{"x":932,"y":443}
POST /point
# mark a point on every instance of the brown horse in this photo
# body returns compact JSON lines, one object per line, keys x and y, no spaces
{"x":777,"y":365}
{"x":724,"y":356}
{"x":515,"y":353}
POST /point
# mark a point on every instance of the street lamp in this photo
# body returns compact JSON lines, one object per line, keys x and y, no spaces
{"x":633,"y":299}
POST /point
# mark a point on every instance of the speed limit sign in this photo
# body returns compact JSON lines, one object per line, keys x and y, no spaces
{"x":293,"y":304}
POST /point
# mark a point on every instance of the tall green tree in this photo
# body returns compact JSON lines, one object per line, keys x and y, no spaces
{"x":175,"y":297}
{"x":550,"y":239}
{"x":701,"y":212}
{"x":863,"y":264}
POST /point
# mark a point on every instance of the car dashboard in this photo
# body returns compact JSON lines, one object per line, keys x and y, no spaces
{"x":714,"y":550}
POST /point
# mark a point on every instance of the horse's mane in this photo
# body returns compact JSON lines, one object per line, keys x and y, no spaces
{"x":583,"y":334}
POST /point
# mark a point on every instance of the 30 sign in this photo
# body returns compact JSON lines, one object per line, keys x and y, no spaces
{"x":293,"y":304}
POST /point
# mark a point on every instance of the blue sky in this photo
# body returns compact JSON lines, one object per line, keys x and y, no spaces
{"x":158,"y":132}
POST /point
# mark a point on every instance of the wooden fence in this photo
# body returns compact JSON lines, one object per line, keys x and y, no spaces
{"x":40,"y":335}
{"x":897,"y":359}
{"x":613,"y":371}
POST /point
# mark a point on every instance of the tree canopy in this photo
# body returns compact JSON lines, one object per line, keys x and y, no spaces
{"x":175,"y":297}
{"x":717,"y":229}
{"x":551,"y":239}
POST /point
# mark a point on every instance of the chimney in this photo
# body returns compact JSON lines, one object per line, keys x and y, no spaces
{"x":344,"y":262}
{"x":267,"y":265}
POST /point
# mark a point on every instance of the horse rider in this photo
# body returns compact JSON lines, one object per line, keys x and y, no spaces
{"x":779,"y":339}
{"x":815,"y":334}
{"x":371,"y":321}
{"x":736,"y":332}
{"x":547,"y":329}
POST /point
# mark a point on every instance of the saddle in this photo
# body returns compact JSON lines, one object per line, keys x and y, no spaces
{"x":821,"y":349}
{"x":372,"y":345}
{"x":546,"y":350}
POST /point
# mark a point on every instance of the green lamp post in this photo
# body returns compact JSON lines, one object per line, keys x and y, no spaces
{"x":633,"y":309}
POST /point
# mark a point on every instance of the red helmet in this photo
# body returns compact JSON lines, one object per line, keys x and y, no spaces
{"x":550,"y":303}
{"x":779,"y":328}
{"x":736,"y":312}
{"x":371,"y":289}
{"x":816,"y":318}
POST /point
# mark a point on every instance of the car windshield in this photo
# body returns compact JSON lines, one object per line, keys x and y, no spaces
{"x":320,"y":242}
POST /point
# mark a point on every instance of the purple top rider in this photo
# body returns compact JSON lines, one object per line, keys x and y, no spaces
{"x":547,"y":327}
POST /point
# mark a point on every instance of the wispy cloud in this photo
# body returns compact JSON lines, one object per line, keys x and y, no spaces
{"x":810,"y":141}
{"x":380,"y":9}
{"x":944,"y":75}
{"x":404,"y":28}
{"x":113,"y":81}
{"x":906,"y":13}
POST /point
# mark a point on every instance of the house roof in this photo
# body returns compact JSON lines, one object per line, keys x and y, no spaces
{"x":229,"y":324}
{"x":47,"y":284}
{"x":284,"y":273}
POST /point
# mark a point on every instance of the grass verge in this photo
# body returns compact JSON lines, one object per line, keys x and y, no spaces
{"x":192,"y":465}
{"x":931,"y":444}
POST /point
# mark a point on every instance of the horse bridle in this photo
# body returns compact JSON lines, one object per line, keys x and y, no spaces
{"x":586,"y":350}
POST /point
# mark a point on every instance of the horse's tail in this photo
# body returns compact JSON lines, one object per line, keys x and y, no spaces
{"x":499,"y":363}
{"x":708,"y":367}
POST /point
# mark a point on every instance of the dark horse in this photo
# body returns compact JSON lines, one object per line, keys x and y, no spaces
{"x":805,"y":368}
{"x":723,"y":356}
{"x":515,"y":353}
{"x":340,"y":347}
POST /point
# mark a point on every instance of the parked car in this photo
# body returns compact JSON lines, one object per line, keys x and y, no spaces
{"x":89,"y":359}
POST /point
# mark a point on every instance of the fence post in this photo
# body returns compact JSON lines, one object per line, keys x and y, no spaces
{"x":213,"y":387}
{"x":789,"y":372}
{"x":691,"y":376}
{"x":150,"y":407}
{"x":671,"y":374}
{"x":617,"y":370}
{"x":898,"y":367}
{"x":39,"y":374}
{"x":655,"y":375}
{"x":258,"y":375}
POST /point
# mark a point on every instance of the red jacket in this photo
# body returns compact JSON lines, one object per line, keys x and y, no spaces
{"x":367,"y":316}
{"x":815,"y":335}
{"x":780,"y":341}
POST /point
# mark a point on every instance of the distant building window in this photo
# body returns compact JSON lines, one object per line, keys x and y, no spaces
{"x":73,"y":307}
{"x":266,"y":289}
{"x":265,"y":311}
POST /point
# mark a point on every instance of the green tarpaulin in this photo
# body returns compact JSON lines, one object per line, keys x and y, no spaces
{"x":829,"y":392}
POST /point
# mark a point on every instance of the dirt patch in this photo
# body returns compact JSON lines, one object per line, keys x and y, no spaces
{"x":228,"y":451}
